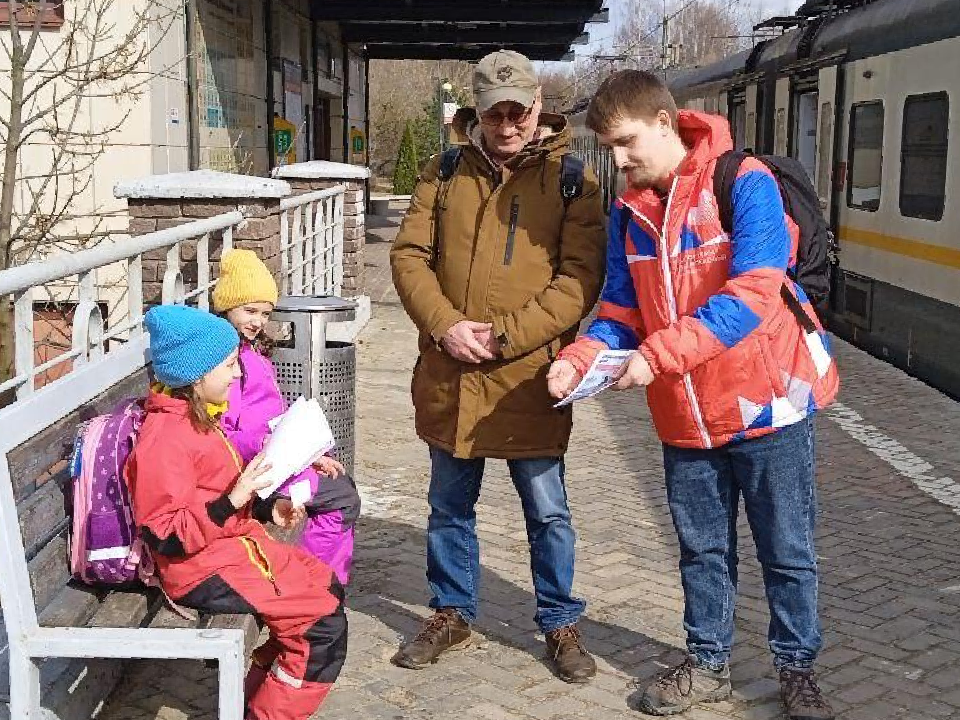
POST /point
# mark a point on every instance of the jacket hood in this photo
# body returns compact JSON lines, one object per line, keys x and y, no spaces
{"x":157,"y":402}
{"x":707,"y":136}
{"x":553,"y":134}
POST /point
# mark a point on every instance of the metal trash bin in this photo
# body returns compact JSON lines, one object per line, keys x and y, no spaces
{"x":308,"y":364}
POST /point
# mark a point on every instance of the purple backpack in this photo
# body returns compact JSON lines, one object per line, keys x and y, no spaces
{"x":105,"y":544}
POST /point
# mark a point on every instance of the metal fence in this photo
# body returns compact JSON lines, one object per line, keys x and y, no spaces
{"x":311,"y":263}
{"x":311,"y":243}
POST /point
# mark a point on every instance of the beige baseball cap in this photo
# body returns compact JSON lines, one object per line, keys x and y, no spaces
{"x":504,"y":75}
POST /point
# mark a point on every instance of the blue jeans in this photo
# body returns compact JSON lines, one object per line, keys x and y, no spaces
{"x":453,"y":552}
{"x":775,"y":476}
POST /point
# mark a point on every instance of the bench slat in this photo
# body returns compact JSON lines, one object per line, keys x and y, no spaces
{"x":246,"y":623}
{"x":127,"y":608}
{"x":42,"y":516}
{"x":32,"y":463}
{"x":49,"y":571}
{"x":72,"y":607}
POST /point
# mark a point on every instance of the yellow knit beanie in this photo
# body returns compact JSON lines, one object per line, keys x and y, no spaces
{"x":243,"y":279}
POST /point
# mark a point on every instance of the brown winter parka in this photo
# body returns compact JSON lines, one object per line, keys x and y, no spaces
{"x":509,"y":253}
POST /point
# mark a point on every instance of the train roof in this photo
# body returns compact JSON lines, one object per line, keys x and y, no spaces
{"x":876,"y":28}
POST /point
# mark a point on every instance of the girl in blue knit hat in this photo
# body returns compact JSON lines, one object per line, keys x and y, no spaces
{"x":198,"y":511}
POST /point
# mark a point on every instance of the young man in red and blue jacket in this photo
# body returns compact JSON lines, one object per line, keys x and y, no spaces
{"x":732,"y":379}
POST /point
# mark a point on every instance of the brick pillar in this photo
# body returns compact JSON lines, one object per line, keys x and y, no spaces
{"x":320,"y":175}
{"x":164,"y":201}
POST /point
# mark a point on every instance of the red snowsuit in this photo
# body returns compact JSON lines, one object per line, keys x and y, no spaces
{"x":220,"y":560}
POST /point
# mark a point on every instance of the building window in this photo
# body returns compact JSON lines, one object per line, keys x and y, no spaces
{"x":27,"y":15}
{"x":866,"y":155}
{"x":923,"y":156}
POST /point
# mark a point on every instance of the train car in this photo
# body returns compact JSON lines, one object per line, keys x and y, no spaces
{"x":866,"y":95}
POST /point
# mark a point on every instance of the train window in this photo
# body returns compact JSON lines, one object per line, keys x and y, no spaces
{"x":866,"y":155}
{"x":923,"y":156}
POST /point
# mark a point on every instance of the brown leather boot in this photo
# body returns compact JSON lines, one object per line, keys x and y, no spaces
{"x":574,"y":664}
{"x":446,"y":630}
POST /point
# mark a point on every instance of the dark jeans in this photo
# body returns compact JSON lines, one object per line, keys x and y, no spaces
{"x":453,"y":552}
{"x":775,"y":476}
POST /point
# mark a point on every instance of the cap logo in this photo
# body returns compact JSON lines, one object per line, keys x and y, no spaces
{"x":504,"y":73}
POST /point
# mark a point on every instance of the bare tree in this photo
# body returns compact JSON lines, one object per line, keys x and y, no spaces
{"x":697,"y":32}
{"x":399,"y":92}
{"x":51,"y":139}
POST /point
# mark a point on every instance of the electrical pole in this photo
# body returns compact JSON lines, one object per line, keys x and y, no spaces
{"x":663,"y":45}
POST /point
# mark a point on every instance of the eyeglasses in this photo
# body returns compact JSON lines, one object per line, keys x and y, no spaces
{"x":515,"y":116}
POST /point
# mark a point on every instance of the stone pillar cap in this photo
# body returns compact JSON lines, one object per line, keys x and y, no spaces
{"x":322,"y":170}
{"x":201,"y":184}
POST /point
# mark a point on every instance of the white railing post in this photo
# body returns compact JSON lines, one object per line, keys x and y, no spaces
{"x":338,"y":245}
{"x":135,"y":294}
{"x":320,"y":234}
{"x":87,"y":321}
{"x":310,"y":249}
{"x":23,"y":334}
{"x":172,"y":291}
{"x":296,"y":240}
{"x":285,"y":252}
{"x":203,"y":271}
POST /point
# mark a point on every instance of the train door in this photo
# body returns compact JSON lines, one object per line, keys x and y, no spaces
{"x":827,"y":97}
{"x":781,"y":116}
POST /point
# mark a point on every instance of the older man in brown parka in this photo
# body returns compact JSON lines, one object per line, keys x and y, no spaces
{"x":499,"y":258}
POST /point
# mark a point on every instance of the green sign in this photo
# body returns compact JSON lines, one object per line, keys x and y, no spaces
{"x":282,"y":140}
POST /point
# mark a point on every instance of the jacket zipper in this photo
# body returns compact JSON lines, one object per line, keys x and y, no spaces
{"x":674,"y":317}
{"x":512,"y":230}
{"x":260,"y":561}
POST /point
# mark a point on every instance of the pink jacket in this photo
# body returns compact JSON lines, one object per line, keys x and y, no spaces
{"x":255,"y":400}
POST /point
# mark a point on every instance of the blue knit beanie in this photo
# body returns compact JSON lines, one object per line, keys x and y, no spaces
{"x":187,"y":343}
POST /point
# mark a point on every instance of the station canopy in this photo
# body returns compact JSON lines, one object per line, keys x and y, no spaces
{"x":462,"y":29}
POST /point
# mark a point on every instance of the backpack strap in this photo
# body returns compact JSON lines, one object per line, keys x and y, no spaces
{"x":449,"y":162}
{"x":724,"y":175}
{"x":571,"y":179}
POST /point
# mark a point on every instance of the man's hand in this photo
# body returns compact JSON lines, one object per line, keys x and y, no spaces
{"x":635,"y":372}
{"x":487,"y":339}
{"x":286,"y":515}
{"x":461,"y":342}
{"x":562,"y":379}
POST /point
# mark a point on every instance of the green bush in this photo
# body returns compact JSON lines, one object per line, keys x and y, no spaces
{"x":405,"y":173}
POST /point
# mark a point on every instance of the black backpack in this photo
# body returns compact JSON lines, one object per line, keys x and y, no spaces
{"x":816,"y":249}
{"x":571,"y":187}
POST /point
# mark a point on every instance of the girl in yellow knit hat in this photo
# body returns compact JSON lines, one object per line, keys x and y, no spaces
{"x":245,"y":295}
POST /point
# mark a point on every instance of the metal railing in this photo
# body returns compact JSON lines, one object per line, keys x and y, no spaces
{"x":311,"y":263}
{"x":311,"y":243}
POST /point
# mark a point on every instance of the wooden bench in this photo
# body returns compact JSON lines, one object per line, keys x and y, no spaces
{"x":67,"y":641}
